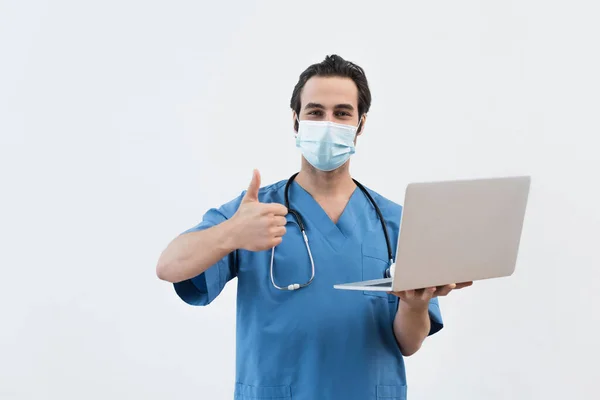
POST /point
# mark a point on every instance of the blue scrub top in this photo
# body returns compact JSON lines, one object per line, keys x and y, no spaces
{"x":316,"y":342}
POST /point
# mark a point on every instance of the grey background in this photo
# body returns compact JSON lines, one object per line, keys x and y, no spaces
{"x":121,"y":122}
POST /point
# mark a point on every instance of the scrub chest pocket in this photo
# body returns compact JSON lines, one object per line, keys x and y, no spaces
{"x":374,"y":265}
{"x":391,"y":392}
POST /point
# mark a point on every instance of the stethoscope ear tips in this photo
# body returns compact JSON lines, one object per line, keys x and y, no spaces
{"x":293,"y":286}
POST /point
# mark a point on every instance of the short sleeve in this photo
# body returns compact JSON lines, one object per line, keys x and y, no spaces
{"x":435,"y":316}
{"x":204,"y":288}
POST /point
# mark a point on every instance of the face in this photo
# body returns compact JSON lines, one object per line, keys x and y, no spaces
{"x":332,"y":99}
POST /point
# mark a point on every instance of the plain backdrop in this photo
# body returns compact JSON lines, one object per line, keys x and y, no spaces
{"x":122,"y":122}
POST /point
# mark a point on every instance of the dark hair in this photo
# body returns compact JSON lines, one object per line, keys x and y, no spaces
{"x":334,"y":65}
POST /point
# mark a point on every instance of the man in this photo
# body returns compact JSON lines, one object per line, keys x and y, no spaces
{"x":297,"y":337}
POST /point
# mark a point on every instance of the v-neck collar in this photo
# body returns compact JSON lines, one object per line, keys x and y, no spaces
{"x":314,"y":216}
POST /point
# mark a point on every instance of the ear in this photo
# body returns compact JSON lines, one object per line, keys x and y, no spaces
{"x":362,"y":123}
{"x":295,"y":122}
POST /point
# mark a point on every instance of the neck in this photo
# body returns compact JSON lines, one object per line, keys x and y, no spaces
{"x":326,"y":184}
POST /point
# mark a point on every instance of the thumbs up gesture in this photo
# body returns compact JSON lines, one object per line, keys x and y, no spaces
{"x":259,"y":226}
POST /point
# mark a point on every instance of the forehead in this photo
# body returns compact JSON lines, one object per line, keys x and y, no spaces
{"x":329,"y":91}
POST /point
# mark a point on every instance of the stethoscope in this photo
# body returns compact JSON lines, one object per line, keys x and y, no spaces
{"x":298,"y":218}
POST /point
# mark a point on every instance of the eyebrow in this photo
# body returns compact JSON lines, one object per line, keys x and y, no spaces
{"x":345,"y":107}
{"x":338,"y":106}
{"x":314,"y":105}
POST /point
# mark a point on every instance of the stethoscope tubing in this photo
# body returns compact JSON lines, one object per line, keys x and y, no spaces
{"x":300,"y":222}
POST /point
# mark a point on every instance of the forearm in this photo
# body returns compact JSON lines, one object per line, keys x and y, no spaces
{"x":411,"y":327}
{"x":193,"y":253}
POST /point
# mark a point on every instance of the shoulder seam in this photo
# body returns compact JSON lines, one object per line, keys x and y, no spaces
{"x":273,"y":186}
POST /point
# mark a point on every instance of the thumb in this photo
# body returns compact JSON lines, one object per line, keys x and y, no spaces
{"x":252,"y":193}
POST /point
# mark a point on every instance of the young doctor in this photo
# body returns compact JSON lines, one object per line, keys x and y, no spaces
{"x":289,"y":242}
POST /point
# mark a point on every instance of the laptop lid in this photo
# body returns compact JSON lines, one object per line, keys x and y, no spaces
{"x":459,"y":231}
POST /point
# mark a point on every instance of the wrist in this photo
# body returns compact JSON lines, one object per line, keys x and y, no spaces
{"x":414,"y":308}
{"x":230,"y":235}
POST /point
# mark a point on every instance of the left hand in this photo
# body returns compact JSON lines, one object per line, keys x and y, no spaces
{"x":420,"y":298}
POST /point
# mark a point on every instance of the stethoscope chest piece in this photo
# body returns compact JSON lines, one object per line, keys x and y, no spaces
{"x":389,"y":273}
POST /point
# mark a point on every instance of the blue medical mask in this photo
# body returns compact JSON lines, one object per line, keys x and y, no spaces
{"x":326,"y":145}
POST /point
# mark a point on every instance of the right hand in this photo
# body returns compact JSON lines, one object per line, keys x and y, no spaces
{"x":259,"y":226}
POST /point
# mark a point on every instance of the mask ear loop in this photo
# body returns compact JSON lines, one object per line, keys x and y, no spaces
{"x":358,"y":126}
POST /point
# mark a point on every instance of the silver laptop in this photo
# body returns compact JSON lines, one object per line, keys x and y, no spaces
{"x":456,"y":231}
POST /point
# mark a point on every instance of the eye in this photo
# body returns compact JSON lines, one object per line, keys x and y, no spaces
{"x":315,"y":112}
{"x":343,"y":114}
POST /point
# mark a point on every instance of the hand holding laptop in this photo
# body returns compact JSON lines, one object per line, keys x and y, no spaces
{"x":421,"y":297}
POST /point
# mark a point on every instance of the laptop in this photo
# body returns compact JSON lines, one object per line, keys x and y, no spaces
{"x":455,"y":231}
